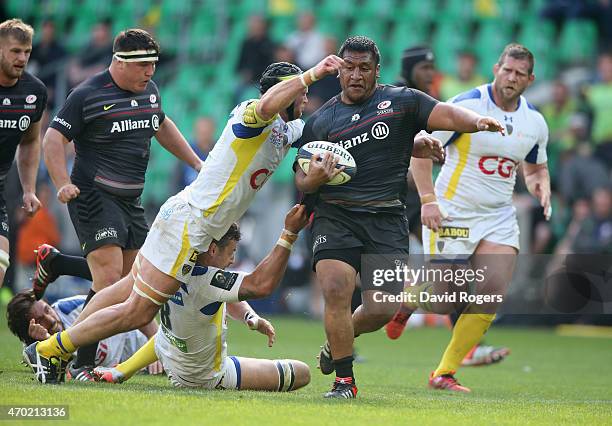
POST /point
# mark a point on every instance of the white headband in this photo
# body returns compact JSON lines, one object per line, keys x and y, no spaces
{"x":149,"y":55}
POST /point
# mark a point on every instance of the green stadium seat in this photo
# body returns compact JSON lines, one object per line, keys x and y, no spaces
{"x":491,"y":38}
{"x":376,"y":30}
{"x":417,"y":11}
{"x":457,"y":11}
{"x":448,"y":40}
{"x":21,"y":8}
{"x":172,"y":9}
{"x":335,"y":27}
{"x":336,"y":9}
{"x":281,"y":27}
{"x":376,"y":9}
{"x":536,"y":35}
{"x":578,"y":41}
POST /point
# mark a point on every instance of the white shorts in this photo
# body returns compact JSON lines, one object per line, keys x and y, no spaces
{"x":176,"y":238}
{"x":229,"y":377}
{"x":467,"y":228}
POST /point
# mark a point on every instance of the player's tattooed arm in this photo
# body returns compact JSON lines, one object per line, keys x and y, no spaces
{"x":267,"y":275}
{"x":445,"y":116}
{"x":283,"y":94}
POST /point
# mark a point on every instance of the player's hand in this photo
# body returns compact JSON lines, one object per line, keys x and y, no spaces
{"x":31,"y":203}
{"x":328,"y":66}
{"x":37,"y":331}
{"x":489,"y":124}
{"x":323,"y":169}
{"x":426,"y":146}
{"x":266,"y":328}
{"x":155,"y":368}
{"x":296,"y":219}
{"x":68,"y":192}
{"x":542,"y":192}
{"x":431,"y":216}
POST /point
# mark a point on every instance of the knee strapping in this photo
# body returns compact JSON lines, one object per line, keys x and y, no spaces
{"x":286,"y":375}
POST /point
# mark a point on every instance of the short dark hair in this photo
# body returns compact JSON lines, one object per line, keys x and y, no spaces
{"x":233,"y":233}
{"x":17,"y":29}
{"x":517,"y":51}
{"x":18,"y":314}
{"x":360,"y":44}
{"x":134,"y":39}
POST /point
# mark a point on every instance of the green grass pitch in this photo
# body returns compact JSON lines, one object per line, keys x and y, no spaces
{"x":547,"y":379}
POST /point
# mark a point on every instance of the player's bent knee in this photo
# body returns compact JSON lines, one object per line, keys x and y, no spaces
{"x":335,"y":291}
{"x":302,"y":374}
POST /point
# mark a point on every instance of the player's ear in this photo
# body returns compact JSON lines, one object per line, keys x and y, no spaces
{"x":495,"y":68}
{"x":531,"y":79}
{"x":378,"y":71}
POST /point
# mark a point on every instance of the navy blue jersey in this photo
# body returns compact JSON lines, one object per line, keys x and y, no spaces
{"x":112,"y":130}
{"x":379,"y":133}
{"x":20,"y":106}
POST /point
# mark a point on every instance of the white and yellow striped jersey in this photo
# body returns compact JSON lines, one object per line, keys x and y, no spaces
{"x":191,"y":340}
{"x":244,"y":157}
{"x":480,"y":168}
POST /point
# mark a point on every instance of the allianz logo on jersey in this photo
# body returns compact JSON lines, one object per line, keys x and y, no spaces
{"x":379,"y":131}
{"x":129,"y":124}
{"x":22,"y":124}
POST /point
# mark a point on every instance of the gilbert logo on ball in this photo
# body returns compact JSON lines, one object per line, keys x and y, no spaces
{"x":322,"y":147}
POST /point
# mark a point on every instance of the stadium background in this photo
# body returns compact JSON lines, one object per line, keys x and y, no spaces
{"x":212,"y":53}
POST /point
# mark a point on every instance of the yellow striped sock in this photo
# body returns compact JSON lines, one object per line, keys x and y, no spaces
{"x":58,"y":345}
{"x":467,"y":332}
{"x":143,"y":357}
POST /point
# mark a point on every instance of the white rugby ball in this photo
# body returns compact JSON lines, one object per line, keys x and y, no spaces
{"x":321,"y":147}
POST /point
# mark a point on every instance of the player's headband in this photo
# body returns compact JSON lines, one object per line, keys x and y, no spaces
{"x":149,"y":55}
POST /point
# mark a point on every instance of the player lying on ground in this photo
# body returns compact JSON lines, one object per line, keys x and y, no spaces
{"x":33,"y":320}
{"x":254,"y":141}
{"x":191,"y":342}
{"x":475,"y":188}
{"x":377,"y":124}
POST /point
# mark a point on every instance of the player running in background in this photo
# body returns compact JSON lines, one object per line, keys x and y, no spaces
{"x":378,"y":125}
{"x":486,"y":216}
{"x":418,"y":70}
{"x":24,"y":99}
{"x":255,"y":139}
{"x":31,"y":319}
{"x":111,"y":117}
{"x":192,"y":339}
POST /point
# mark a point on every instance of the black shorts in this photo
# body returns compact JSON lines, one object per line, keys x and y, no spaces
{"x":345,"y":235}
{"x":100,"y":219}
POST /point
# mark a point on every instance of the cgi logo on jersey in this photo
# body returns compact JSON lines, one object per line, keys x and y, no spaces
{"x":503,"y":166}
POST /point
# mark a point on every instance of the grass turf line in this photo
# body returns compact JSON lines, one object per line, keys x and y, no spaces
{"x":548,"y":379}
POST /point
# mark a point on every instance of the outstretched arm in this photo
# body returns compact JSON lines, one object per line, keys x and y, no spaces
{"x":445,"y":116}
{"x":283,"y":94}
{"x":269,"y":272}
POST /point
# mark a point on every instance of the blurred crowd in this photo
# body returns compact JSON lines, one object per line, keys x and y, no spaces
{"x":577,"y":106}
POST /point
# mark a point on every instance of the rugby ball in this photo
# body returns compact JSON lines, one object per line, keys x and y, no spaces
{"x":321,"y":147}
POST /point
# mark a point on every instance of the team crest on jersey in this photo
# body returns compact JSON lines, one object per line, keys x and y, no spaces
{"x":134,"y":103}
{"x":31,"y":99}
{"x":6,"y":101}
{"x":278,"y":136}
{"x":24,"y":122}
{"x":194,"y":256}
{"x":355,"y":117}
{"x":384,"y":105}
{"x":440,"y":245}
{"x":186,"y":269}
{"x":152,"y":98}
